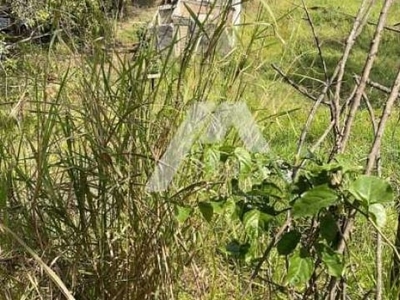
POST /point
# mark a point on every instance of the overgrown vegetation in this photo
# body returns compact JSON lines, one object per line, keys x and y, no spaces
{"x":82,"y":131}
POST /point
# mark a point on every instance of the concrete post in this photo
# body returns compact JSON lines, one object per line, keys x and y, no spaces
{"x":237,"y":6}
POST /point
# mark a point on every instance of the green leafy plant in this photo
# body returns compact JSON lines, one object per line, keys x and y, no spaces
{"x":315,"y":202}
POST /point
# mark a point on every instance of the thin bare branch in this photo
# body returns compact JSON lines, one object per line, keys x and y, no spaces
{"x":378,"y":86}
{"x":317,"y":41}
{"x":374,"y":153}
{"x":275,"y":239}
{"x":301,"y":89}
{"x":341,"y":145}
{"x":369,"y":107}
{"x":358,"y":25}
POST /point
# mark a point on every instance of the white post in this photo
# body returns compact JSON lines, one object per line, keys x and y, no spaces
{"x":237,"y":6}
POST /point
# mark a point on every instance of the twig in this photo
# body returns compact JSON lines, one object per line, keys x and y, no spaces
{"x":326,"y":132}
{"x":374,"y":153}
{"x":378,"y":86}
{"x":379,"y":247}
{"x":272,"y":244}
{"x":369,"y":107}
{"x":301,"y":89}
{"x":389,"y":28}
{"x":385,"y":238}
{"x":330,"y":126}
{"x":317,"y":41}
{"x":25,"y":40}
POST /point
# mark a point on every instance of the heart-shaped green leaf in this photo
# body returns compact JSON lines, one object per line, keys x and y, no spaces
{"x":300,"y":270}
{"x":312,"y":201}
{"x":333,"y":262}
{"x":288,"y":242}
{"x":371,"y":189}
{"x":378,"y":214}
{"x":328,"y":228}
{"x":206,"y":210}
{"x":182,"y":213}
{"x":255,"y":222}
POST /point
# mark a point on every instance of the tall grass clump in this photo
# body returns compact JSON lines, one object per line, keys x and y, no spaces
{"x":74,"y":172}
{"x":79,"y":143}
